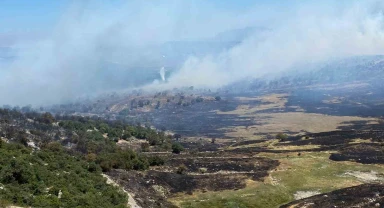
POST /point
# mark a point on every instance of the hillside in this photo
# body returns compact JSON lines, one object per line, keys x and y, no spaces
{"x":48,"y":161}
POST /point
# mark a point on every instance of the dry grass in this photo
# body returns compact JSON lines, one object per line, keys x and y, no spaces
{"x":334,"y":100}
{"x":272,"y":123}
{"x":298,"y":148}
{"x":269,"y":102}
{"x":292,"y":122}
{"x":359,"y":141}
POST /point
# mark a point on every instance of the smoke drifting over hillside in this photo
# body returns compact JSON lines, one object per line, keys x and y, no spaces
{"x":94,"y":44}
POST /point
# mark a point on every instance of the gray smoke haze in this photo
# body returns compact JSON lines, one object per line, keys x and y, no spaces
{"x":94,"y":45}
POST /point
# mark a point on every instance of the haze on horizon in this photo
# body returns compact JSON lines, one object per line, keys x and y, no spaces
{"x":79,"y":46}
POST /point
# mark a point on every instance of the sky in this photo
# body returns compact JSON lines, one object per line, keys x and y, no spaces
{"x":26,"y":19}
{"x":62,"y":45}
{"x":29,"y":15}
{"x":40,"y":15}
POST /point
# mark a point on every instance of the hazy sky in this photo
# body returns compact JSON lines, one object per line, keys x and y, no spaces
{"x":23,"y":18}
{"x":26,"y":19}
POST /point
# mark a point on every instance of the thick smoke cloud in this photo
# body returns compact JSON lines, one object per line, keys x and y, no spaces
{"x":76,"y":58}
{"x":307,"y":34}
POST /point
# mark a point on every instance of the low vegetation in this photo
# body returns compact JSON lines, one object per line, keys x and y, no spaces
{"x":51,"y":177}
{"x":57,"y":161}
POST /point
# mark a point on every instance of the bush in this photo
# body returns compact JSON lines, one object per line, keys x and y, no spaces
{"x":199,"y":100}
{"x":92,"y":167}
{"x":177,"y":148}
{"x":281,"y":137}
{"x":181,"y":169}
{"x":144,"y":147}
{"x":203,"y":170}
{"x":140,"y":163}
{"x":213,"y":140}
{"x":91,"y":157}
{"x":156,"y":161}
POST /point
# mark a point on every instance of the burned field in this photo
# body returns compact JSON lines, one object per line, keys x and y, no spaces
{"x":247,"y":170}
{"x":362,"y":153}
{"x":226,"y":165}
{"x":361,"y":100}
{"x":231,"y":150}
{"x":200,"y":119}
{"x":366,"y":195}
{"x":183,"y":174}
{"x":363,"y":146}
{"x":307,"y":163}
{"x":266,"y":112}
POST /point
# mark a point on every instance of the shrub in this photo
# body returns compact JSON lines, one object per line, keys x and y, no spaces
{"x":281,"y":137}
{"x":177,"y":148}
{"x":91,"y":157}
{"x":203,"y":170}
{"x":199,"y":99}
{"x":156,"y":161}
{"x":144,"y":147}
{"x":92,"y":167}
{"x":181,"y":169}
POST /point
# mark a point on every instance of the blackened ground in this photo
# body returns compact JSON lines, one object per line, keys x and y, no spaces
{"x":208,"y":171}
{"x":189,"y":183}
{"x":201,"y":119}
{"x":335,"y":138}
{"x":362,"y":153}
{"x":342,"y":141}
{"x":366,"y":195}
{"x":355,"y":101}
{"x":201,"y":146}
{"x":141,"y":187}
{"x":247,"y":142}
{"x":216,"y":164}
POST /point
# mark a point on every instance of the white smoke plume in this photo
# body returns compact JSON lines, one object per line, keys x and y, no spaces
{"x":162,"y":74}
{"x":307,"y":34}
{"x":68,"y":63}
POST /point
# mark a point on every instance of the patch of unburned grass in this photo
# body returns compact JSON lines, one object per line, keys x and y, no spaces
{"x":271,"y":101}
{"x":359,"y":141}
{"x":297,"y":148}
{"x":311,"y":171}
